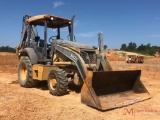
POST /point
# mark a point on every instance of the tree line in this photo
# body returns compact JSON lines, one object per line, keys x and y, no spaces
{"x":7,"y":49}
{"x":131,"y":47}
{"x":143,"y":49}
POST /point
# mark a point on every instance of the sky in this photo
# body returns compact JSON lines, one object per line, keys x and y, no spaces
{"x":120,"y":21}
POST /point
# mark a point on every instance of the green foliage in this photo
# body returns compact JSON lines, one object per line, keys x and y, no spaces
{"x":123,"y":47}
{"x":7,"y":49}
{"x":143,"y":49}
{"x":131,"y":46}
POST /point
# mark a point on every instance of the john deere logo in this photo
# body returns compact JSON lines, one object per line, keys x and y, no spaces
{"x":73,"y":57}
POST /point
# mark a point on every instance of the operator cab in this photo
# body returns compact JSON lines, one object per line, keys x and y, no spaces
{"x":52,"y":22}
{"x":51,"y":29}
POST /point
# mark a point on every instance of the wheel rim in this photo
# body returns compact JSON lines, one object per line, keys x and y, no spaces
{"x":52,"y":82}
{"x":23,"y":72}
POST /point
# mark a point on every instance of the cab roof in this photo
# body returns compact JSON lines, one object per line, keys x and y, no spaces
{"x":52,"y":21}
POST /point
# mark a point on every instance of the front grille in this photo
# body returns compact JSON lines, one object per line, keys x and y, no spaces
{"x":89,"y":57}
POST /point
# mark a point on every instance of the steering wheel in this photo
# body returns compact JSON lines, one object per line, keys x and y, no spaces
{"x":52,"y":38}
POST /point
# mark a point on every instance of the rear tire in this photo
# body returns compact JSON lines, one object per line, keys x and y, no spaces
{"x":57,"y":82}
{"x":25,"y":73}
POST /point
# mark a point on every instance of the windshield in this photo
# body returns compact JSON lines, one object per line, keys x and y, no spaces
{"x":55,"y":33}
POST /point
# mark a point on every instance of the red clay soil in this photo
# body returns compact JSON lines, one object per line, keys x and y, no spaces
{"x":19,"y":103}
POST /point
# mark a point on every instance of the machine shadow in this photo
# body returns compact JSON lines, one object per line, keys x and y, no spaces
{"x":42,"y":85}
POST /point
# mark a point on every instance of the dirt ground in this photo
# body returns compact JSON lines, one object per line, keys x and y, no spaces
{"x":19,"y":103}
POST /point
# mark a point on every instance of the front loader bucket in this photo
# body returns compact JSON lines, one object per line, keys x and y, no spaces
{"x":112,"y":89}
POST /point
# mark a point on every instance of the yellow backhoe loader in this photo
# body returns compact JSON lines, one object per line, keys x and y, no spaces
{"x":63,"y":62}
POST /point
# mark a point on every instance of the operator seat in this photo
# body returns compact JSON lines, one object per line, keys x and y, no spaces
{"x":41,"y":43}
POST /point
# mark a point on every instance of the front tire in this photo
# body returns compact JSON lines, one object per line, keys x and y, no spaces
{"x":25,"y":73}
{"x":57,"y":82}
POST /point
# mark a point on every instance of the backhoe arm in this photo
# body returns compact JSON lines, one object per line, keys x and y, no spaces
{"x":25,"y":32}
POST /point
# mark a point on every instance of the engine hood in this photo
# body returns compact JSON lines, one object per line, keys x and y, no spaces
{"x":72,"y":44}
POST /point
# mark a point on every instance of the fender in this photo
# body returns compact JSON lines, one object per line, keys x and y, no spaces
{"x":30,"y":52}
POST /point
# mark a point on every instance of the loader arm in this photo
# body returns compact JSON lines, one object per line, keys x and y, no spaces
{"x":75,"y":58}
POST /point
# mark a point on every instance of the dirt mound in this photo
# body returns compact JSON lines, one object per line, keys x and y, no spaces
{"x":8,"y":62}
{"x":8,"y":59}
{"x":114,"y":56}
{"x":6,"y":53}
